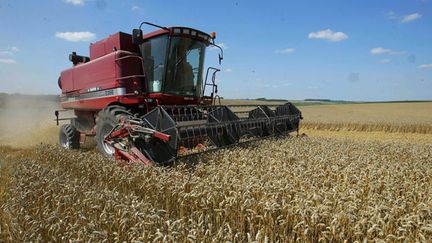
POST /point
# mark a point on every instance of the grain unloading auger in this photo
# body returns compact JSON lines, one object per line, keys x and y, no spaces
{"x":144,"y":99}
{"x":167,"y":132}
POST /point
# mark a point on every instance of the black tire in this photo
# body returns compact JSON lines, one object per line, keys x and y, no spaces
{"x":107,"y":119}
{"x":69,"y":137}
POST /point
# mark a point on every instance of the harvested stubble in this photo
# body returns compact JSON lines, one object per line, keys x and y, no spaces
{"x":279,"y":190}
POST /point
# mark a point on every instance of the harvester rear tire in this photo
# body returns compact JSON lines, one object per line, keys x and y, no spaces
{"x":69,"y":137}
{"x":106,"y":120}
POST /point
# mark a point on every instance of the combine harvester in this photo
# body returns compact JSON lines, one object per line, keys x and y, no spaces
{"x":144,"y":99}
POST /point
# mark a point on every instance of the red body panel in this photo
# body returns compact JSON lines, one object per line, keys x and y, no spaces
{"x":66,"y":81}
{"x":155,"y":33}
{"x":97,"y":73}
{"x":102,"y":73}
{"x":114,"y":74}
{"x":119,"y":41}
{"x":100,"y":103}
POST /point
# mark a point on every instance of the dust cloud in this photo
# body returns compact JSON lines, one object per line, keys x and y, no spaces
{"x":27,"y":120}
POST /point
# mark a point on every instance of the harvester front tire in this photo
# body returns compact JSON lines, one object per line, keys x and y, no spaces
{"x":69,"y":137}
{"x":107,"y":119}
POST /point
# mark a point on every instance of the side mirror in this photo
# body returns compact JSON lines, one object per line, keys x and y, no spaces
{"x":137,"y":36}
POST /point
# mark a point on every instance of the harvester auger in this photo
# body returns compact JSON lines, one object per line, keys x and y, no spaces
{"x":144,"y":99}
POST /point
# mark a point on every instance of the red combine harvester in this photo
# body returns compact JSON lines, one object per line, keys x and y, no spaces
{"x":144,"y":99}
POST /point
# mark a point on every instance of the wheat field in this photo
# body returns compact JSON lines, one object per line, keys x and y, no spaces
{"x":300,"y":189}
{"x":334,"y":185}
{"x":407,"y":117}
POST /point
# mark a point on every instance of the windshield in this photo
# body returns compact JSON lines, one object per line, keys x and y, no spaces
{"x":185,"y":66}
{"x":154,"y":57}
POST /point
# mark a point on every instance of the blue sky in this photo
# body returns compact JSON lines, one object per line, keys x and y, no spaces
{"x":350,"y":50}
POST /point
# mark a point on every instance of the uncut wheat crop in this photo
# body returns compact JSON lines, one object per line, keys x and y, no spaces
{"x":414,"y":117}
{"x":279,"y":190}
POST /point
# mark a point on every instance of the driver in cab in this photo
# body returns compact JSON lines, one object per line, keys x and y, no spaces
{"x":183,"y":79}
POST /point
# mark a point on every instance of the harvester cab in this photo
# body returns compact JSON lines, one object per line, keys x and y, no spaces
{"x":144,"y":99}
{"x":174,"y":61}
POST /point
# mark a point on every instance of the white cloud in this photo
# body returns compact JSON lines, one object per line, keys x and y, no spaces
{"x":411,"y":17}
{"x":403,"y":19}
{"x":425,"y":66}
{"x":7,"y":61}
{"x":384,"y":61}
{"x":328,"y":35}
{"x":391,"y":15}
{"x":228,"y":70}
{"x":273,"y":86}
{"x":75,"y":2}
{"x":135,"y":8}
{"x":76,"y":36}
{"x":285,"y":51}
{"x":10,"y":51}
{"x":6,"y":53}
{"x":381,"y":50}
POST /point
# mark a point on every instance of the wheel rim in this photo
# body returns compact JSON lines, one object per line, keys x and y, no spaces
{"x":63,"y":141}
{"x":108,"y":149}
